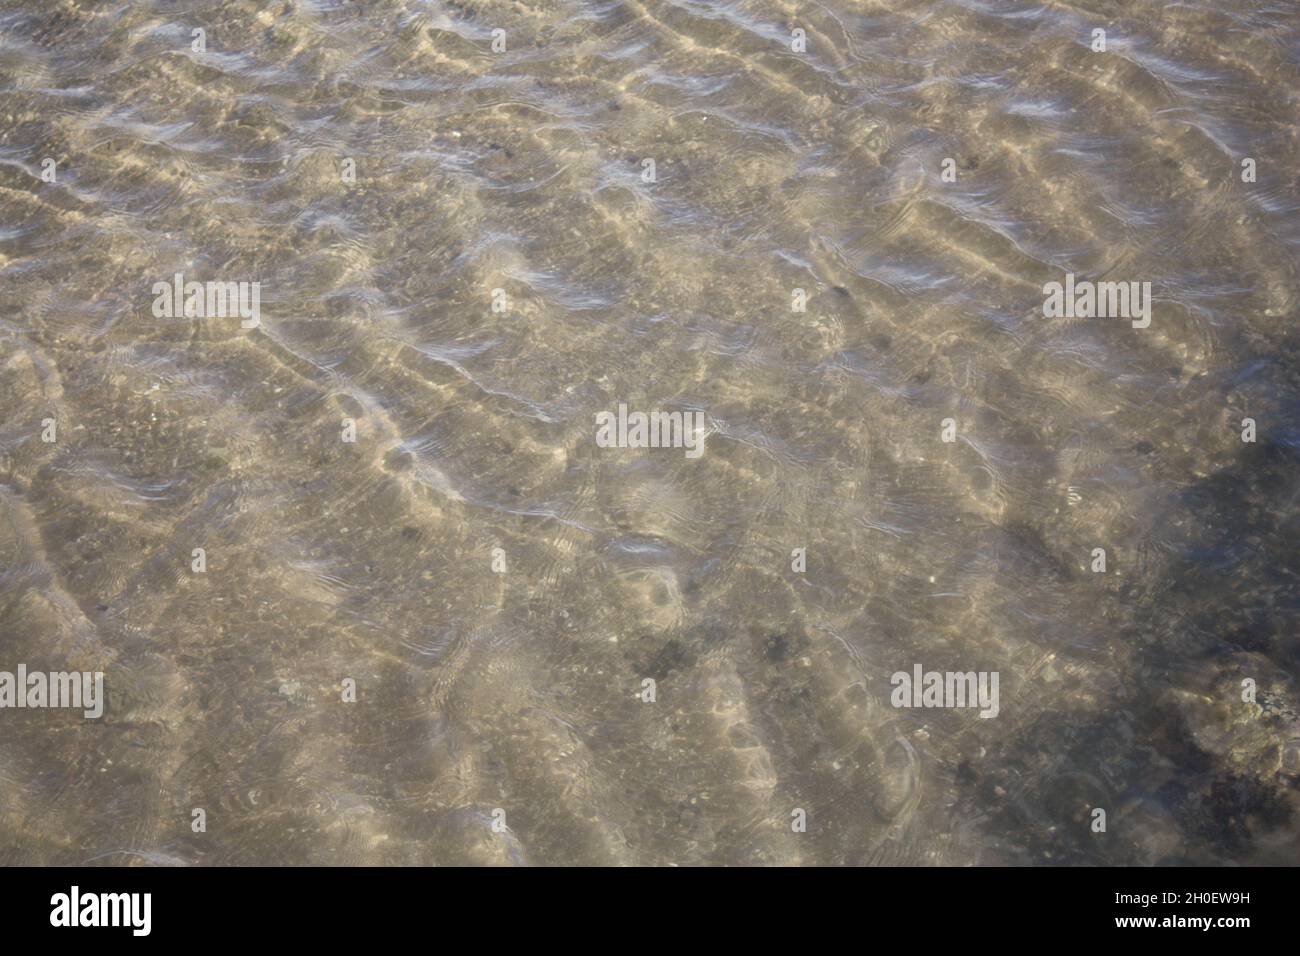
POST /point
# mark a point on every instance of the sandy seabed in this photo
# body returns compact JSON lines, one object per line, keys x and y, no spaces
{"x":431,"y":644}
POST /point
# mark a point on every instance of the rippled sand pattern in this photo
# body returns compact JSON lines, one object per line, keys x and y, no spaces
{"x":522,"y":171}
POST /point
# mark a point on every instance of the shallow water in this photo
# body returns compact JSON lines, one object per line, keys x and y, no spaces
{"x":486,"y":695}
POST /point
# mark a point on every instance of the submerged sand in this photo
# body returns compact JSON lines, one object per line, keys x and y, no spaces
{"x":498,"y":586}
